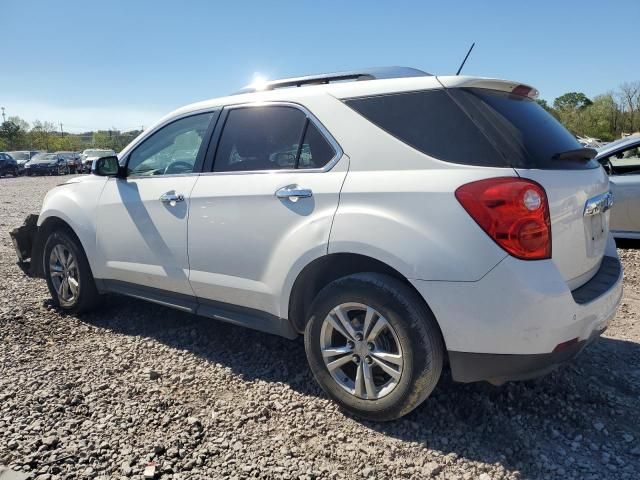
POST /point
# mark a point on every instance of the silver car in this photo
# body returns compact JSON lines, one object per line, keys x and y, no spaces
{"x":621,"y":160}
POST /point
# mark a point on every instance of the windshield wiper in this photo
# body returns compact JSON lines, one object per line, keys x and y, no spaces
{"x":577,"y":154}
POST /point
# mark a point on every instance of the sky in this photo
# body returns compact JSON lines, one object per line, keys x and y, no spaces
{"x":125,"y":63}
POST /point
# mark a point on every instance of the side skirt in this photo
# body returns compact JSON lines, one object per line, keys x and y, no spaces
{"x":225,"y":312}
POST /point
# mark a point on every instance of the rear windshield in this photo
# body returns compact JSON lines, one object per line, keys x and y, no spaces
{"x":474,"y":127}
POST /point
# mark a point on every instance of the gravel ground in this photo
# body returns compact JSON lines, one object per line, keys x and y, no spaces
{"x":109,"y":393}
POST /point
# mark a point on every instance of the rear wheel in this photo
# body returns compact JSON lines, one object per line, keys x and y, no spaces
{"x":68,"y":273}
{"x":373,"y":346}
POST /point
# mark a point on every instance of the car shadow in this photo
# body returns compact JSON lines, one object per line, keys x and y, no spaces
{"x":533,"y":427}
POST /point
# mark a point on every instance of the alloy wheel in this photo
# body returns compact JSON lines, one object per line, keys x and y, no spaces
{"x":361,"y":351}
{"x":63,"y":270}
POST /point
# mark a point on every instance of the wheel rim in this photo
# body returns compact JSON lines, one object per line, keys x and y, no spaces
{"x":361,"y":351}
{"x":63,"y":270}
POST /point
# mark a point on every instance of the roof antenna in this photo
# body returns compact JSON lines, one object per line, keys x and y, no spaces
{"x":465,"y":58}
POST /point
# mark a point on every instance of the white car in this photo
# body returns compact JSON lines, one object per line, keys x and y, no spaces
{"x":396,"y":219}
{"x":621,"y":160}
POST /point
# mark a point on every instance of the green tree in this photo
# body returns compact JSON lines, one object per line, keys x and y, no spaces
{"x":23,"y":124}
{"x":600,"y":119}
{"x":42,"y":134}
{"x":11,"y":134}
{"x":572,"y":101}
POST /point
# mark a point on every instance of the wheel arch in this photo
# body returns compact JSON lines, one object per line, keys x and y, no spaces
{"x":46,"y":227}
{"x":324,"y":270}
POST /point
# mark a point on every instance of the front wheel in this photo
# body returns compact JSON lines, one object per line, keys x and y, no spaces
{"x":373,"y":346}
{"x":68,"y":273}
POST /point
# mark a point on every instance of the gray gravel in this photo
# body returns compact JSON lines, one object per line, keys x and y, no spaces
{"x":107,"y":394}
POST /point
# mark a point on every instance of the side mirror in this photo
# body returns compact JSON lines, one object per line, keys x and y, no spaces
{"x":106,"y":167}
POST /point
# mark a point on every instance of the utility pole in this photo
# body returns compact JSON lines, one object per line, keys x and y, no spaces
{"x":61,"y":131}
{"x":4,"y":118}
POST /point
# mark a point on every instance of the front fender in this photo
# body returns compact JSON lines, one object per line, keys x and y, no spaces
{"x":75,"y":204}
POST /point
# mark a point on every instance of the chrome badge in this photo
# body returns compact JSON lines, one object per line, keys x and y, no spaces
{"x":598,"y":204}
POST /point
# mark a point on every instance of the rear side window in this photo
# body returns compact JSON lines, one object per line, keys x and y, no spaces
{"x":431,"y":122}
{"x":524,"y":133}
{"x":270,"y":138}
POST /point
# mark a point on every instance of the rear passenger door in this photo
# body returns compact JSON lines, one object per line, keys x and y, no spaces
{"x":265,"y":207}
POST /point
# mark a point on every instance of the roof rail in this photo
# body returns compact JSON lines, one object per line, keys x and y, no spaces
{"x":324,"y":78}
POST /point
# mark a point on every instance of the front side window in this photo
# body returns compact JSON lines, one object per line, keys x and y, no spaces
{"x":171,"y":150}
{"x":270,"y":138}
{"x":623,"y":162}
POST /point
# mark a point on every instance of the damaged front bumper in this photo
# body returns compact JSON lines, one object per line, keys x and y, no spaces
{"x":25,"y":241}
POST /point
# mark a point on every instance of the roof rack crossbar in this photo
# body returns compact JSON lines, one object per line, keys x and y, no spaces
{"x":356,"y":75}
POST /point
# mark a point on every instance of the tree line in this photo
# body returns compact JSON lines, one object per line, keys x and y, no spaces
{"x":17,"y":134}
{"x":606,"y":117}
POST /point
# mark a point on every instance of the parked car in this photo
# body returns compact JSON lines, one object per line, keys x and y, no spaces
{"x":47,"y":164}
{"x":73,"y":161}
{"x":22,"y":157}
{"x":431,"y":218}
{"x":90,"y":155}
{"x":8,"y":165}
{"x":590,"y":142}
{"x":621,"y":160}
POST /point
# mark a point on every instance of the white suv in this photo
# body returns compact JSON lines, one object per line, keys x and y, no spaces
{"x":396,"y":219}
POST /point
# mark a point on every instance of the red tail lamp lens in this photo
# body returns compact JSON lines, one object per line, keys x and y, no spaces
{"x":514,"y":212}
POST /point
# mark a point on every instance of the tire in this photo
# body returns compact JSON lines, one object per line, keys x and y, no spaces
{"x":57,"y":267}
{"x":410,"y":339}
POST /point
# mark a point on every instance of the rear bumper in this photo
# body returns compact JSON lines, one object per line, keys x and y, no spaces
{"x":508,"y":324}
{"x":496,"y":368}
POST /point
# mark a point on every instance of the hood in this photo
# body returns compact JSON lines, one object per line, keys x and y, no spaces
{"x":83,"y":179}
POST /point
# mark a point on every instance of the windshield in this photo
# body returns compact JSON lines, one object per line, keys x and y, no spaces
{"x":98,"y":153}
{"x":44,"y":158}
{"x":19,"y":155}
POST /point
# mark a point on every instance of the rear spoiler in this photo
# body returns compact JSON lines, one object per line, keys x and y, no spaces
{"x":489,"y":83}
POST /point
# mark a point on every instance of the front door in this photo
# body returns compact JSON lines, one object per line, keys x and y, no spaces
{"x":142,"y":219}
{"x":624,"y":169}
{"x":265,"y":209}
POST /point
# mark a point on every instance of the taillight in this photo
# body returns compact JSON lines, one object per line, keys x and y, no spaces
{"x":513,"y":211}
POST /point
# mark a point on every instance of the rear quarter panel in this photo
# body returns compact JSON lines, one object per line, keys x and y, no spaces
{"x":411,"y":220}
{"x":398,"y":205}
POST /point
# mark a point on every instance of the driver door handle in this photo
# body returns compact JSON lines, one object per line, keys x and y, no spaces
{"x":171,"y":197}
{"x":294,"y":192}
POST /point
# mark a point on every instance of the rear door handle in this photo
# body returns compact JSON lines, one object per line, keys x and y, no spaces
{"x":171,"y":198}
{"x":294,"y":192}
